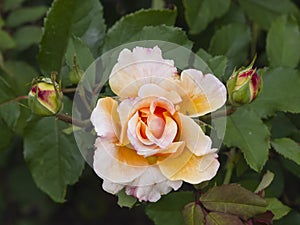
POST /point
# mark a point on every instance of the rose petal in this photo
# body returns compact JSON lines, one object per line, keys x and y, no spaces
{"x":139,"y":67}
{"x":105,"y":118}
{"x":151,"y":185}
{"x":141,"y":128}
{"x":172,"y":148}
{"x":139,"y":146}
{"x":198,"y":170}
{"x":195,"y":139}
{"x":125,"y":109}
{"x":200,"y":93}
{"x":168,"y":134}
{"x":145,"y":147}
{"x":162,"y":103}
{"x":117,"y":164}
{"x":112,"y":188}
{"x":155,"y":90}
{"x":170,"y":165}
{"x":190,"y":168}
{"x":156,"y":125}
{"x":158,"y":152}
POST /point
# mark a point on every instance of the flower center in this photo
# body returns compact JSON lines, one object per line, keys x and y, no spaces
{"x":152,"y":129}
{"x":156,"y":125}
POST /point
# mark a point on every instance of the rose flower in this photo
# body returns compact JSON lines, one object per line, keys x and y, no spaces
{"x":147,"y":141}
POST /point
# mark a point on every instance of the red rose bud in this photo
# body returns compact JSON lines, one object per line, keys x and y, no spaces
{"x":244,"y":85}
{"x":45,"y":97}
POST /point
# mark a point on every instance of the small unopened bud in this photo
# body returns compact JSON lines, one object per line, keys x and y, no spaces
{"x":244,"y":85}
{"x":45,"y":97}
{"x":76,"y":73}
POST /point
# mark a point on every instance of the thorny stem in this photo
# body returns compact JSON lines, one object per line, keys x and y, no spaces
{"x":196,"y":197}
{"x":68,"y":90}
{"x":70,"y":120}
{"x":19,"y":98}
{"x":255,"y":34}
{"x":218,"y":114}
{"x":84,"y":100}
{"x":229,"y":166}
{"x":197,"y":201}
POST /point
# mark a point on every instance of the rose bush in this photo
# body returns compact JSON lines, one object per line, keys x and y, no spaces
{"x":147,"y":141}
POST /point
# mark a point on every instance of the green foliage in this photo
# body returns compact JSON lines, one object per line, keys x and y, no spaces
{"x":288,"y":148}
{"x":122,"y":31}
{"x":12,"y":4}
{"x":78,"y":48}
{"x":6,"y":41}
{"x":265,"y":12}
{"x":233,"y":199}
{"x":193,"y":214}
{"x":283,"y":42}
{"x":232,"y":40}
{"x":247,"y":131}
{"x":287,"y":97}
{"x":278,"y":209}
{"x":20,"y":75}
{"x":217,"y":64}
{"x":125,"y":200}
{"x":199,"y":14}
{"x":163,"y":33}
{"x":265,"y":182}
{"x":6,"y":135}
{"x":52,"y":157}
{"x":216,"y":218}
{"x":168,"y":210}
{"x":25,"y":15}
{"x":27,"y":36}
{"x":64,"y":19}
{"x":290,"y":219}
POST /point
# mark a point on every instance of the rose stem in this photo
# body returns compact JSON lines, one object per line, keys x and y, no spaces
{"x":68,"y":90}
{"x":19,"y":98}
{"x":70,"y":120}
{"x":230,"y":165}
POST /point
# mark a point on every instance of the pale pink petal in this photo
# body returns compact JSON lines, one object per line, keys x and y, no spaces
{"x":105,"y":118}
{"x":139,"y":146}
{"x":146,"y":147}
{"x":156,"y":125}
{"x":195,"y":139}
{"x":163,"y":103}
{"x":151,"y":185}
{"x":155,"y":90}
{"x":168,"y":135}
{"x":125,"y":110}
{"x":170,"y":165}
{"x":142,"y":126}
{"x":117,"y":164}
{"x":139,"y":67}
{"x":200,"y":93}
{"x":198,"y":170}
{"x":112,"y":188}
{"x":194,"y":169}
{"x":172,"y":148}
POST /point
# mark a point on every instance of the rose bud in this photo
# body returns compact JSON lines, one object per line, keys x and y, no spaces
{"x":45,"y":97}
{"x":244,"y":85}
{"x":75,"y":74}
